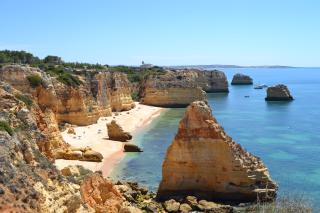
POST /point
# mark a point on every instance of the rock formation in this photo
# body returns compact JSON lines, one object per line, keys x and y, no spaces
{"x":179,"y":88}
{"x":116,"y":132}
{"x":205,"y":162}
{"x":83,"y":154}
{"x":27,"y":175}
{"x":241,"y":79}
{"x":98,"y":94}
{"x":120,"y":92}
{"x":131,"y":148}
{"x":278,"y":92}
{"x":101,"y":194}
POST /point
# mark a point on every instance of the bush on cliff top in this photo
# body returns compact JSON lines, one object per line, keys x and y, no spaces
{"x":4,"y":126}
{"x":64,"y":76}
{"x":34,"y":80}
{"x":137,"y":74}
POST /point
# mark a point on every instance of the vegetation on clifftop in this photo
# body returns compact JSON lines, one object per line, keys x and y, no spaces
{"x":55,"y":66}
{"x":64,"y":76}
{"x":136,"y":74}
{"x":34,"y":80}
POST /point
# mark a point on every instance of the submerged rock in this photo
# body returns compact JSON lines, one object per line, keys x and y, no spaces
{"x":241,"y":79}
{"x":278,"y":92}
{"x":205,"y":162}
{"x":116,"y":132}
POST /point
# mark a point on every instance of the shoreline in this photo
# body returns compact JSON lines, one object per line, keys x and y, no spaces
{"x":96,"y":137}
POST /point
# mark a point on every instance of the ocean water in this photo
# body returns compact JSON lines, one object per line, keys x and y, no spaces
{"x":286,"y":135}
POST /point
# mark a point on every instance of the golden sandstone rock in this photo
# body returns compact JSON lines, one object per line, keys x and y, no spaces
{"x":205,"y":162}
{"x":71,"y":131}
{"x":116,"y":132}
{"x":101,"y":194}
{"x":179,"y":88}
{"x":97,"y":96}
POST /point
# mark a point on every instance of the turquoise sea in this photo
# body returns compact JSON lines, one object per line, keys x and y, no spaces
{"x":286,"y":135}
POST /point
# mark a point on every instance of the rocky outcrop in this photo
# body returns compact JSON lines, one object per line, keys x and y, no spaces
{"x":27,"y":176}
{"x":82,"y":154}
{"x":205,"y":162}
{"x":99,"y":93}
{"x":278,"y":92}
{"x":101,"y":194}
{"x":131,"y":148}
{"x":116,"y":132}
{"x":120,"y":92}
{"x":179,"y":88}
{"x":241,"y":79}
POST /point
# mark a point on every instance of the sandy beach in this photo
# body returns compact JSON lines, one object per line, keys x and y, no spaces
{"x":96,"y":137}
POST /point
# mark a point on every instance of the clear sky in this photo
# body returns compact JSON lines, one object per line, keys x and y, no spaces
{"x":165,"y":32}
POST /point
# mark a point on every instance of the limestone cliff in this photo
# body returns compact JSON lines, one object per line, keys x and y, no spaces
{"x":204,"y":161}
{"x":99,"y":93}
{"x":120,"y":92}
{"x":27,"y":176}
{"x":181,"y":87}
{"x":169,"y":90}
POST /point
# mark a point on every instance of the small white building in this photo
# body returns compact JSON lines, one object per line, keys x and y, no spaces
{"x":143,"y":65}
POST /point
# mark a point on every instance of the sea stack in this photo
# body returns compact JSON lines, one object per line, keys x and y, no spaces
{"x":205,"y":162}
{"x":241,"y":79}
{"x":278,"y":92}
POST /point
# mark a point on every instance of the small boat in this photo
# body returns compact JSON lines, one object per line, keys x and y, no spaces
{"x":261,"y":86}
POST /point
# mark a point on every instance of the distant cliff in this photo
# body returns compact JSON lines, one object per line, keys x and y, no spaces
{"x":181,"y":87}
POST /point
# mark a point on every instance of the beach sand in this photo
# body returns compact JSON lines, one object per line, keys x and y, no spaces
{"x":96,"y":137}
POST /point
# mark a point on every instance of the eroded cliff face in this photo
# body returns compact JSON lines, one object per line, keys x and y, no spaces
{"x":170,"y":90}
{"x":98,"y":94}
{"x":27,"y":176}
{"x":181,"y":87}
{"x":120,"y":92}
{"x":204,"y":161}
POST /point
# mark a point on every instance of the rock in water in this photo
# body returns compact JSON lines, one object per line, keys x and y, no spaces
{"x":241,"y":79}
{"x":131,"y":148}
{"x":279,"y":92}
{"x":116,"y":132}
{"x":205,"y":162}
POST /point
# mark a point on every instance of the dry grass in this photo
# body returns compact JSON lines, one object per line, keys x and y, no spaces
{"x":286,"y":204}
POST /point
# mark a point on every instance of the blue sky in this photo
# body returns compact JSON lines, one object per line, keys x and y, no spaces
{"x":166,"y":32}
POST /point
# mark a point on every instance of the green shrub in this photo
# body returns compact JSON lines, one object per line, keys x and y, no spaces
{"x":137,"y":74}
{"x":34,"y":80}
{"x":26,"y":99}
{"x":4,"y":126}
{"x":63,"y":76}
{"x":135,"y":96}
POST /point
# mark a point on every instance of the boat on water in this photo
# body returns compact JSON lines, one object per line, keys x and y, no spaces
{"x":260,"y":86}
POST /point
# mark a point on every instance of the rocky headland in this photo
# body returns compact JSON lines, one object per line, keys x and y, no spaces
{"x":278,"y":92}
{"x":205,"y":162}
{"x":179,"y":88}
{"x":241,"y":79}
